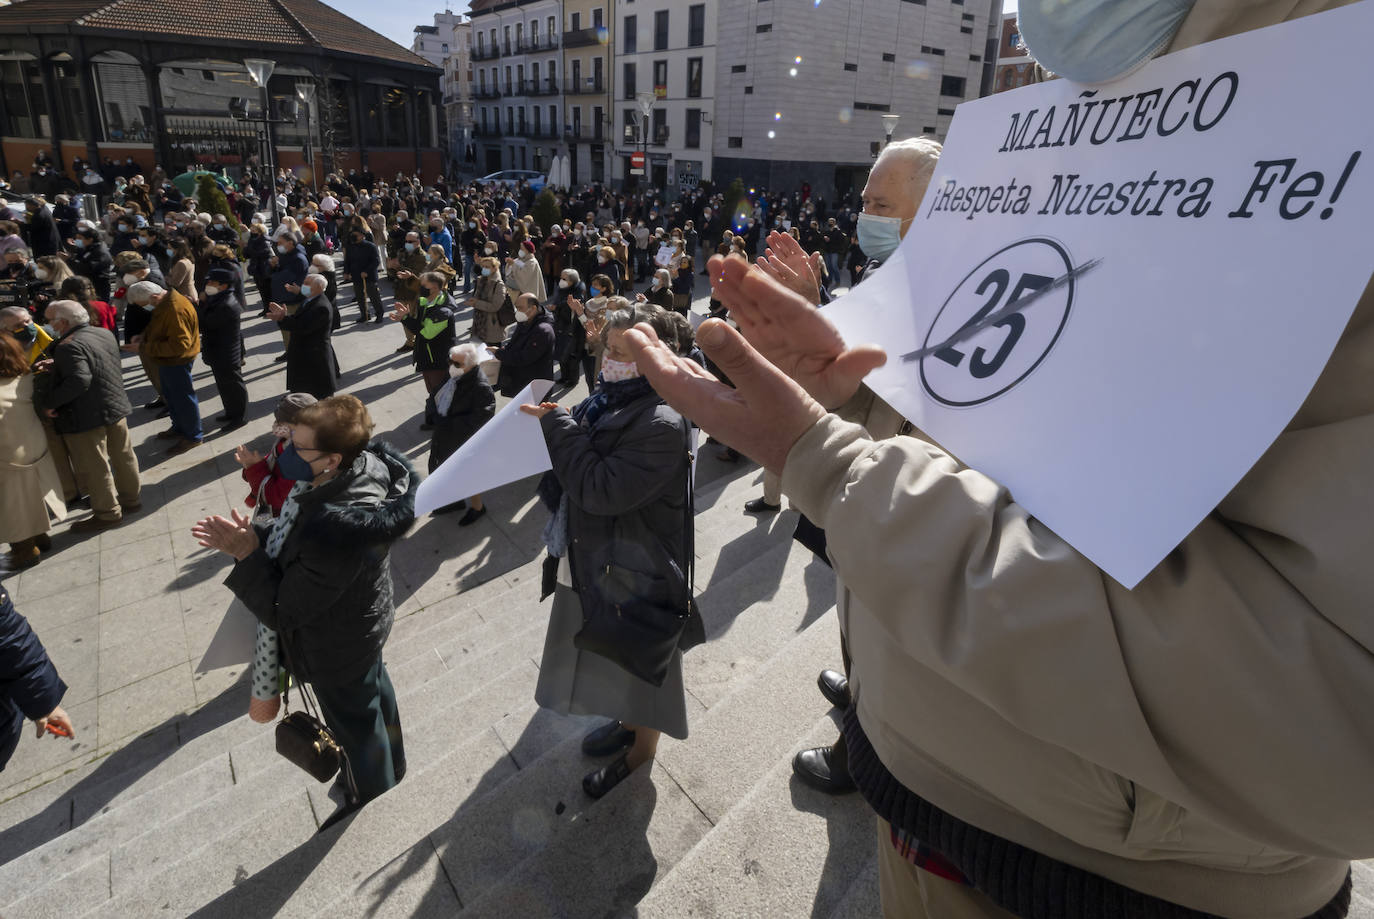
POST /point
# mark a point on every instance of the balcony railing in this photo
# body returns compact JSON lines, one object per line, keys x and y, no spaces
{"x":483,"y":53}
{"x":588,"y":87}
{"x":580,"y":38}
{"x":542,"y":88}
{"x":485,"y":93}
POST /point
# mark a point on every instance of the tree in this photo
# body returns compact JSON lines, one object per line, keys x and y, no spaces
{"x":546,"y":210}
{"x":212,"y":199}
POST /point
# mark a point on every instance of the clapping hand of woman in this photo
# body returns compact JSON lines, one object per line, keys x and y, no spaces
{"x":234,"y":537}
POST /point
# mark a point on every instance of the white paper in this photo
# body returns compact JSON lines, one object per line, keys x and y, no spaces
{"x":1132,"y":400}
{"x":506,"y":449}
{"x":664,"y":257}
{"x":232,"y":643}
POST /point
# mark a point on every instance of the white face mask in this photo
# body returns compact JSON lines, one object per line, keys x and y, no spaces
{"x":523,"y":317}
{"x":130,"y":279}
{"x":656,"y":284}
{"x":42,"y":274}
{"x":212,"y":291}
{"x":563,"y":284}
{"x":491,"y":250}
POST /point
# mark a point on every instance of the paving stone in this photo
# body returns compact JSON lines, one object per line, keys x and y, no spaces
{"x":147,"y":703}
{"x":411,"y":885}
{"x":75,"y":651}
{"x":38,"y":755}
{"x":136,"y":585}
{"x":60,"y":609}
{"x":127,"y":626}
{"x":156,"y":651}
{"x":84,"y":889}
{"x":135,"y":555}
{"x":45,"y":580}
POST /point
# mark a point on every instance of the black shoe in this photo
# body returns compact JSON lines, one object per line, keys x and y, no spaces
{"x":222,"y":416}
{"x":279,"y":358}
{"x":597,"y":783}
{"x":378,"y":320}
{"x":427,"y":426}
{"x":169,"y":434}
{"x":611,"y":738}
{"x":360,"y":320}
{"x":760,"y":506}
{"x":232,"y":424}
{"x":472,"y":516}
{"x":404,"y":348}
{"x":835,"y":687}
{"x":818,"y":769}
{"x":156,"y":403}
{"x":165,"y":413}
{"x":343,"y":813}
{"x":450,"y":508}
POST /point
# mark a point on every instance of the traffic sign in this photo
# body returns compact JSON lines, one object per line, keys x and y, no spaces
{"x":637,"y":160}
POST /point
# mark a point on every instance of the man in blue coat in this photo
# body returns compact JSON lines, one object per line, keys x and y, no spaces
{"x":29,"y":685}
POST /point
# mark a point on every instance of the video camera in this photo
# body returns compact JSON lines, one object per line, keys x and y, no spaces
{"x":29,"y":293}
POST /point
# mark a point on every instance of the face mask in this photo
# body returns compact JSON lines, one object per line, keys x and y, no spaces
{"x":281,"y":250}
{"x":471,"y":225}
{"x":293,"y":466}
{"x":147,"y":306}
{"x":26,"y":333}
{"x":456,"y":370}
{"x":42,"y":274}
{"x":145,"y":241}
{"x":347,"y":211}
{"x":123,"y":228}
{"x":879,"y":236}
{"x":1096,"y":41}
{"x":79,"y":243}
{"x":486,"y":272}
{"x":130,"y":280}
{"x":613,"y":371}
{"x":171,"y":253}
{"x":212,"y":291}
{"x":601,"y":260}
{"x":523,"y":317}
{"x":656,"y":284}
{"x":491,"y":250}
{"x":410,"y":247}
{"x":563,"y":285}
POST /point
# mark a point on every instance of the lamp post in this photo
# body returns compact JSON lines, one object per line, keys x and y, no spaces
{"x":890,"y":125}
{"x":306,"y":93}
{"x":646,"y":107}
{"x":260,"y":70}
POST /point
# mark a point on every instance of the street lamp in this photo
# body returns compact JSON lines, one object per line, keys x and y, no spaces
{"x":890,"y":125}
{"x":646,"y":107}
{"x":306,"y":93}
{"x":260,"y":70}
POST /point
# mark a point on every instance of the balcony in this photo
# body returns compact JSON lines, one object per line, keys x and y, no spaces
{"x":485,"y":93}
{"x":583,"y":133}
{"x":484,"y":53}
{"x":593,"y":86}
{"x":582,"y":38}
{"x":542,"y":88}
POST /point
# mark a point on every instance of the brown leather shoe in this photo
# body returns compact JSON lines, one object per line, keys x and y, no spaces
{"x":182,"y":446}
{"x":169,"y":434}
{"x":23,"y":554}
{"x":95,"y":524}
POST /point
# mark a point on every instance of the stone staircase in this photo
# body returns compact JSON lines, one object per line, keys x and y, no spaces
{"x":491,"y":818}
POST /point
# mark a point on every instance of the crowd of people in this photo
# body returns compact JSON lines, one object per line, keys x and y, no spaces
{"x":1034,"y":739}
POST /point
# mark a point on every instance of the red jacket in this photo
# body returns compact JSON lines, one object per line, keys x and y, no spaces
{"x":266,"y":482}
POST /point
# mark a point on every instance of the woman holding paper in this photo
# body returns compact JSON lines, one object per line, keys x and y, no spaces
{"x":621,"y":529}
{"x":462,"y":406}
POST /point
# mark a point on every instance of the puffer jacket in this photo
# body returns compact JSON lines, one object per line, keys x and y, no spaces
{"x":86,"y":383}
{"x":528,"y":354}
{"x":29,"y":685}
{"x":329,"y":589}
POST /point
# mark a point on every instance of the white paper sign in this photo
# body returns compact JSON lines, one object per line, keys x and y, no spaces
{"x":506,"y":449}
{"x":664,"y":258}
{"x":1227,"y":199}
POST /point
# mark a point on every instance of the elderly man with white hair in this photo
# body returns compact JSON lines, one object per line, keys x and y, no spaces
{"x":170,"y":343}
{"x":82,"y":390}
{"x":311,"y":365}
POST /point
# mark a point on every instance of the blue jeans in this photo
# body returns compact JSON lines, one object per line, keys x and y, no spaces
{"x":180,"y":395}
{"x":467,"y":270}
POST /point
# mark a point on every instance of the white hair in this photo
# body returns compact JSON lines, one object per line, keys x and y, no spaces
{"x":312,"y":277}
{"x":322,"y":261}
{"x":68,"y":311}
{"x":572,"y":277}
{"x":465,"y":354}
{"x":664,"y":275}
{"x":140,"y":292}
{"x":920,"y":153}
{"x":16,"y":312}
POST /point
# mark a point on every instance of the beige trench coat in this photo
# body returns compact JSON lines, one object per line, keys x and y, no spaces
{"x":29,"y":487}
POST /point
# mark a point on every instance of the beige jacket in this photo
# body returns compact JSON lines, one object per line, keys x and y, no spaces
{"x":1203,"y":738}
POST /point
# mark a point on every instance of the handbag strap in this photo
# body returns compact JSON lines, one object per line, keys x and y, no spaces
{"x":689,"y":519}
{"x":309,"y":703}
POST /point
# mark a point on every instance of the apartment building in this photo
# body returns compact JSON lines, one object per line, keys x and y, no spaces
{"x":517,"y":68}
{"x":588,"y":51}
{"x":665,"y":63}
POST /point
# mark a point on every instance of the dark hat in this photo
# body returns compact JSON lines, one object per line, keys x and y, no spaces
{"x":289,"y":408}
{"x":220,"y":276}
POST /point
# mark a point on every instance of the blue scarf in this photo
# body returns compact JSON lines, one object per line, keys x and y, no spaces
{"x":608,"y":397}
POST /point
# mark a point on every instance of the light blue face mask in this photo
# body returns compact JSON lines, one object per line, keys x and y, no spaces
{"x":1097,"y":41}
{"x":879,"y":237}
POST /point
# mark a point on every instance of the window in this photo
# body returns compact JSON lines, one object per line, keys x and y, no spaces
{"x":967,"y":17}
{"x":535,"y":113}
{"x":577,"y":120}
{"x":628,"y":80}
{"x":553,"y":30}
{"x":852,"y":68}
{"x":975,"y":57}
{"x":597,"y":78}
{"x":661,"y":79}
{"x":696,"y":25}
{"x":630,"y":125}
{"x":575,"y":24}
{"x":889,"y":57}
{"x":951,"y":86}
{"x":521,"y":110}
{"x":520,"y":78}
{"x":631,"y":37}
{"x":738,"y":68}
{"x":507,"y":37}
{"x":691,"y":138}
{"x":693,"y":78}
{"x":748,"y":90}
{"x":510,"y":120}
{"x":871,"y":107}
{"x":766,"y":27}
{"x":944,"y":111}
{"x":661,"y":30}
{"x":966,"y":30}
{"x":598,"y":118}
{"x":660,"y":135}
{"x":210,"y":74}
{"x":917,"y":2}
{"x":735,"y":142}
{"x":508,"y":86}
{"x":553,"y":119}
{"x":927,"y":130}
{"x":597,"y":21}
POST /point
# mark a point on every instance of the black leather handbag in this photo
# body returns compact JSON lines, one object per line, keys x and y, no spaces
{"x":641,"y":618}
{"x":302,"y":736}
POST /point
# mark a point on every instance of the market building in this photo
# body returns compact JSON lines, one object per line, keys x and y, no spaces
{"x":166,"y":83}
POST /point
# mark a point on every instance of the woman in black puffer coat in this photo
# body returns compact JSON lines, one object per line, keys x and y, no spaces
{"x":461,"y":407}
{"x":320,"y":576}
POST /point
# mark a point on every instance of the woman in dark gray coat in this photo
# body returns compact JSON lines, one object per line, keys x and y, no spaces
{"x":320,"y":575}
{"x":461,"y":407}
{"x":620,"y":478}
